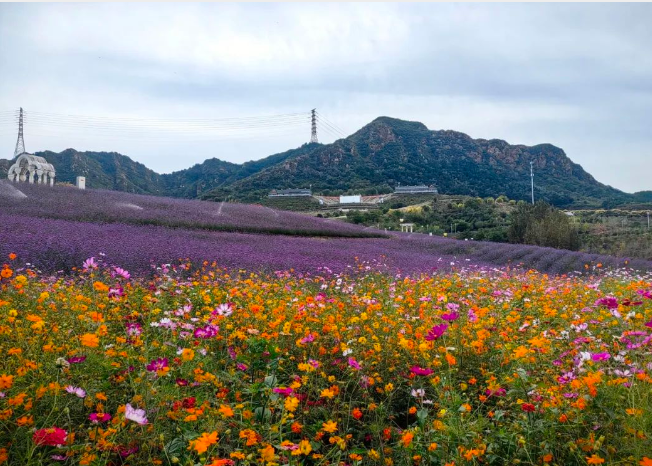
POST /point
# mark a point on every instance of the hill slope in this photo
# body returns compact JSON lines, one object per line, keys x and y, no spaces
{"x":388,"y":152}
{"x":385,"y":153}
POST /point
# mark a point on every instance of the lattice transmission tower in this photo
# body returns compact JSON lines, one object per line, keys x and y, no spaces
{"x":20,"y":143}
{"x":313,"y":133}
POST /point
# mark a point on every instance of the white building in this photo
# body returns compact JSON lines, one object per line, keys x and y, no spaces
{"x":355,"y":199}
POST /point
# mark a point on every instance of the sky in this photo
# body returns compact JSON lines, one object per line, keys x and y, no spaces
{"x":173,"y":84}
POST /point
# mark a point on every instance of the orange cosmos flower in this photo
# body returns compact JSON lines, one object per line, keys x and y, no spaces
{"x":203,"y":442}
{"x":594,"y":459}
{"x":90,"y":339}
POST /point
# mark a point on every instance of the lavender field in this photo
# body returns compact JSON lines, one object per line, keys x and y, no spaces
{"x":57,"y":229}
{"x":101,"y":206}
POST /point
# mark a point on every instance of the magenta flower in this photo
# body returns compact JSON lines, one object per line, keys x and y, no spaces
{"x":648,"y":324}
{"x":76,"y":359}
{"x":354,"y":364}
{"x":157,"y":364}
{"x":609,"y":301}
{"x":416,"y":370}
{"x":116,"y":291}
{"x":209,"y":331}
{"x":181,"y":382}
{"x":241,"y":366}
{"x":600,"y":356}
{"x":436,"y":332}
{"x":308,"y":339}
{"x":451,"y":316}
{"x":134,"y":329}
{"x":497,"y":392}
{"x":283,"y":391}
{"x":96,"y":418}
{"x":137,"y":415}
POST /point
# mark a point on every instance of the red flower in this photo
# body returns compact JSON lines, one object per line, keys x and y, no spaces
{"x":52,"y":437}
{"x":528,"y":407}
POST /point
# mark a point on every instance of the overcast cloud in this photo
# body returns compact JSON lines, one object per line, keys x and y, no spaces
{"x":577,"y":76}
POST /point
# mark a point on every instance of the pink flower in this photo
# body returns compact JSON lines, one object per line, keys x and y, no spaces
{"x":134,"y":329}
{"x":223,"y":310}
{"x":610,"y":302}
{"x":451,"y":316}
{"x":206,"y":332}
{"x":436,"y":332}
{"x":242,"y":367}
{"x":90,"y":263}
{"x":121,"y":273}
{"x":96,"y":418}
{"x":354,"y":364}
{"x":136,"y":415}
{"x":308,"y":339}
{"x":649,"y":324}
{"x":157,"y":364}
{"x":283,"y":391}
{"x":416,"y":370}
{"x":116,"y":291}
{"x":80,"y":392}
{"x":76,"y":359}
{"x":600,"y":356}
{"x":52,"y":437}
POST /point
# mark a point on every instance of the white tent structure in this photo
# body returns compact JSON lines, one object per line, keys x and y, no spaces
{"x":33,"y":169}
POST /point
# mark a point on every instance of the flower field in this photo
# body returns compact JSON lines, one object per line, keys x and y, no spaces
{"x":205,"y":366}
{"x":57,"y":228}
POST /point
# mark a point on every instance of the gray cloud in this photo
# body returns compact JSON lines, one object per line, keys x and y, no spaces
{"x":575,"y":75}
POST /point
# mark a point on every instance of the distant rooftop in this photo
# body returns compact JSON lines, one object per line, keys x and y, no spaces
{"x":289,"y":193}
{"x":415,"y":189}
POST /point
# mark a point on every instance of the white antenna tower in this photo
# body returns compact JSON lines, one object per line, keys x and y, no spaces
{"x":532,"y":179}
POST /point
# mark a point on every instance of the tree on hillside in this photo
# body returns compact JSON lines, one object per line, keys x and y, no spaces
{"x":542,"y":225}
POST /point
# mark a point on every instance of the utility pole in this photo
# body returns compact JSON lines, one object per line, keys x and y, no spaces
{"x":648,"y":219}
{"x":20,"y":143}
{"x":313,"y":119}
{"x":532,"y":179}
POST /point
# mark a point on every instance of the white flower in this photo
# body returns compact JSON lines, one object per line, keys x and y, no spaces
{"x":418,"y":393}
{"x":136,"y":415}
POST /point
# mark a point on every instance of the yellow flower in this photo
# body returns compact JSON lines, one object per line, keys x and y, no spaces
{"x":327,"y":393}
{"x":329,"y":426}
{"x":267,"y":454}
{"x":291,"y":404}
{"x":304,"y":447}
{"x":187,"y":354}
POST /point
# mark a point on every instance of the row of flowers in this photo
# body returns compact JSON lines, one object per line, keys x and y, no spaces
{"x":216,"y":368}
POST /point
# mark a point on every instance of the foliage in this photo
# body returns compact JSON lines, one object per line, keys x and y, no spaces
{"x":211,"y":367}
{"x":543,"y":225}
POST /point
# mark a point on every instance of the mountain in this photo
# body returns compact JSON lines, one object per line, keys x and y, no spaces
{"x":388,"y":152}
{"x":383,"y":154}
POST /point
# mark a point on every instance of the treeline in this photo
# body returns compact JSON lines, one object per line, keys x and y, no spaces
{"x":543,"y":225}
